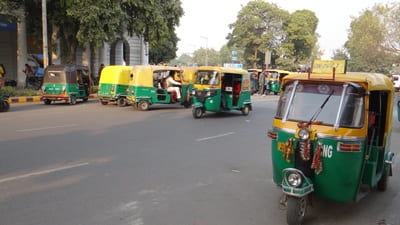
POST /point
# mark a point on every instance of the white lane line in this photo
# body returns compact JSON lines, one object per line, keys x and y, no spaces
{"x":46,"y":128}
{"x":213,"y":137}
{"x":43,"y":172}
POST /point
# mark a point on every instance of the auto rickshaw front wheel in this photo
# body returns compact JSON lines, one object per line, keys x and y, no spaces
{"x":72,"y":100}
{"x":47,"y":101}
{"x":245,"y":110}
{"x":296,"y":210}
{"x":382,"y":183}
{"x":143,"y":105}
{"x":121,"y":102}
{"x":197,"y":112}
{"x":4,"y":106}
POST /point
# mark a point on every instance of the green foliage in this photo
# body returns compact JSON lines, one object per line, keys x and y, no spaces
{"x":183,"y":60}
{"x":202,"y":55}
{"x":165,"y":51}
{"x":13,"y":92}
{"x":259,"y":26}
{"x":340,"y":54}
{"x":225,"y":55}
{"x":301,"y":34}
{"x":365,"y":44}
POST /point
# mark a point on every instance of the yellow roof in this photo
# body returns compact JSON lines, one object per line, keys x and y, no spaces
{"x":375,"y":81}
{"x":278,"y":71}
{"x":224,"y":69}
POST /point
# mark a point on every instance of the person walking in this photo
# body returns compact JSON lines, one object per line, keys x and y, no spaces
{"x":28,"y":74}
{"x":261,"y":81}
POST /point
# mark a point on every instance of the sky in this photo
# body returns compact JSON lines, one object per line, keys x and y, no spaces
{"x":206,"y":22}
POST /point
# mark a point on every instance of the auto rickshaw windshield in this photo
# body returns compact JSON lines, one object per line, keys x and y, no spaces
{"x":333,"y":104}
{"x":207,"y":77}
{"x":55,"y":77}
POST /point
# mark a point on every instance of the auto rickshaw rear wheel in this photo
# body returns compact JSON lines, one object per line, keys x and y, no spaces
{"x":296,"y":210}
{"x":72,"y":100}
{"x":121,"y":102}
{"x":103,"y":102}
{"x":197,"y":112}
{"x":143,"y":105}
{"x":47,"y":101}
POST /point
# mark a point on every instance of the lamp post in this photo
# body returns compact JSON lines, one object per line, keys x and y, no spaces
{"x":44,"y":34}
{"x":206,"y":38}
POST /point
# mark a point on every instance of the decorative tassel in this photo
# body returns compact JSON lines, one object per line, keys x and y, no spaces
{"x":305,"y":150}
{"x":289,"y":149}
{"x":317,"y":160}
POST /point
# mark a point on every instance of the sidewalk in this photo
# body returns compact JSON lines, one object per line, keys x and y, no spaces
{"x":22,"y":99}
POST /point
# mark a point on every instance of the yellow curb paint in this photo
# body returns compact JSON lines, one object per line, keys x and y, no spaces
{"x":22,"y":100}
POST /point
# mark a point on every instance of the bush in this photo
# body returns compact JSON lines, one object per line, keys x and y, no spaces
{"x":13,"y":92}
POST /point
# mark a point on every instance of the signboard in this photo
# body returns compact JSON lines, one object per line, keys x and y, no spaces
{"x":234,"y":53}
{"x":234,"y":58}
{"x":4,"y":25}
{"x":233,"y":65}
{"x":326,"y":66}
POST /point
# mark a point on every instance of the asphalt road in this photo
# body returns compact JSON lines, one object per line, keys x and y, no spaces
{"x":90,"y":164}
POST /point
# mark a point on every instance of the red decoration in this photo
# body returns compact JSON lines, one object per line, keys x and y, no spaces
{"x":317,"y":160}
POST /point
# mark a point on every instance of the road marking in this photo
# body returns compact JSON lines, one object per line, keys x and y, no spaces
{"x":43,"y":172}
{"x":213,"y":137}
{"x":46,"y":128}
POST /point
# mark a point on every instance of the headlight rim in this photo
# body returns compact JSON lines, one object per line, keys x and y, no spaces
{"x":304,"y":134}
{"x":298,"y":178}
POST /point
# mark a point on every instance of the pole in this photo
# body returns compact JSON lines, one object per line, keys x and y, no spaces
{"x":44,"y":34}
{"x":206,"y":49}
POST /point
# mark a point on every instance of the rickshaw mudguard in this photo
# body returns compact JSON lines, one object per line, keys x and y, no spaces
{"x":389,"y":157}
{"x":305,"y":188}
{"x":197,"y":105}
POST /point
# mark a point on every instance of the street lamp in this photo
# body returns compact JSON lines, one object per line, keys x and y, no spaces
{"x":206,"y":38}
{"x":44,"y":34}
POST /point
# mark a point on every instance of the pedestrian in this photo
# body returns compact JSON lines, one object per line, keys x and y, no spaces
{"x":28,"y":74}
{"x":2,"y":74}
{"x":261,"y":81}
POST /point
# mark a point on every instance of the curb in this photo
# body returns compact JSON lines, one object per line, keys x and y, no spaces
{"x":34,"y":99}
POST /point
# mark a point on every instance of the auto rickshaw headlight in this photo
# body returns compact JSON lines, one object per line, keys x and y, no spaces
{"x":193,"y":92}
{"x":208,"y":94}
{"x":294,"y":179}
{"x":304,"y":134}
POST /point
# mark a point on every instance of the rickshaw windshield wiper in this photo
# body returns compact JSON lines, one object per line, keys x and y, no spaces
{"x":315,"y":115}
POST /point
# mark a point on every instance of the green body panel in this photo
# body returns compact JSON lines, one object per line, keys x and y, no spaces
{"x":341,"y":174}
{"x":154,"y":95}
{"x":112,"y":91}
{"x":275,"y":87}
{"x":213,"y":104}
{"x":70,"y":89}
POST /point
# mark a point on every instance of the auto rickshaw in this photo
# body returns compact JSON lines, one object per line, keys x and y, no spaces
{"x":188,"y":75}
{"x":219,"y":89}
{"x":275,"y":80}
{"x":254,"y":82}
{"x":331,"y":138}
{"x":113,"y":85}
{"x":147,"y":86}
{"x":65,"y":83}
{"x":4,"y":105}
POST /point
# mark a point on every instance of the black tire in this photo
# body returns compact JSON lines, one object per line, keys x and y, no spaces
{"x":103,"y":102}
{"x":197,"y":113}
{"x":245,"y":110}
{"x":72,"y":100}
{"x":47,"y":101}
{"x":4,"y":106}
{"x":296,"y":210}
{"x":383,"y":182}
{"x":85,"y":99}
{"x":143,"y":105}
{"x":187,"y":104}
{"x":276,"y":93}
{"x":121,"y":102}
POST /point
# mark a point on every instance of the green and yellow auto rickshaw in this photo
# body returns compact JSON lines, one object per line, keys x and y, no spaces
{"x":66,"y":83}
{"x":188,"y":75}
{"x":4,"y":105}
{"x":147,"y":86}
{"x":219,"y":89}
{"x":254,"y":79}
{"x":331,"y":138}
{"x":274,"y":79}
{"x":113,"y":85}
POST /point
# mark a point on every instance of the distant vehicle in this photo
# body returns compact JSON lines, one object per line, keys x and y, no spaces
{"x":4,"y":105}
{"x":66,"y":83}
{"x":396,"y":82}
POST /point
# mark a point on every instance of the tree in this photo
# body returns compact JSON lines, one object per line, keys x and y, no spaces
{"x":258,"y":27}
{"x":301,"y":36}
{"x":183,"y":60}
{"x":366,"y":44}
{"x":340,"y":54}
{"x":225,"y":54}
{"x":94,"y":22}
{"x":165,"y":51}
{"x":200,"y":55}
{"x":389,"y":15}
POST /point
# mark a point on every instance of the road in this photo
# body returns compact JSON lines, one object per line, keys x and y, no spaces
{"x":90,"y":164}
